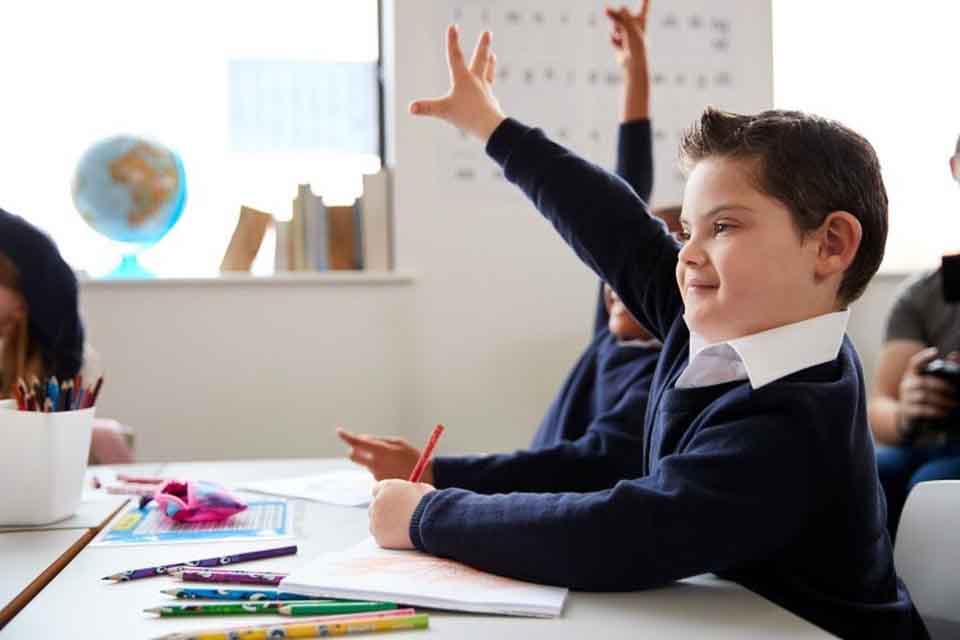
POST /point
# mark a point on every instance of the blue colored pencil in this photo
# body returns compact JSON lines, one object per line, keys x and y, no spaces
{"x":53,"y":391}
{"x":234,"y":594}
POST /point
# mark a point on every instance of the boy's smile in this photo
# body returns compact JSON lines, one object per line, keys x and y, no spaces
{"x":743,"y":267}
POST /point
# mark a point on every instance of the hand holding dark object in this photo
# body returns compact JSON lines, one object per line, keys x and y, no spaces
{"x":928,"y":393}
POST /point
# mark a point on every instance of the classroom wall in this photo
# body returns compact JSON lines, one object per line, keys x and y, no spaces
{"x":206,"y":370}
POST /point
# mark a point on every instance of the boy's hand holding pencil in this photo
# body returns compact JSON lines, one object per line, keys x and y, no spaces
{"x":394,"y":501}
{"x":391,"y":509}
{"x":470,"y":104}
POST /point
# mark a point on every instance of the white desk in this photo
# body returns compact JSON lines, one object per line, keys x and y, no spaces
{"x":31,"y":556}
{"x":702,"y":607}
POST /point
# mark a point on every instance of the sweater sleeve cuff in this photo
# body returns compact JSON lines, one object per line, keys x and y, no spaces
{"x":415,"y":536}
{"x":634,"y":132}
{"x":504,"y":139}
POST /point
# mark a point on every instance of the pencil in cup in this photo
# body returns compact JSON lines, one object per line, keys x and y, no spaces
{"x":252,"y":595}
{"x":309,"y":629}
{"x":421,"y":465}
{"x":219,"y":561}
{"x":263,"y":578}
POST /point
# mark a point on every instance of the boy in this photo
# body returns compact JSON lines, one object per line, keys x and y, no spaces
{"x":757,"y":461}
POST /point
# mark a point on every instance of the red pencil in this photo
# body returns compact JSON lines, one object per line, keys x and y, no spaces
{"x":94,"y":392}
{"x":421,"y":465}
{"x":19,"y":392}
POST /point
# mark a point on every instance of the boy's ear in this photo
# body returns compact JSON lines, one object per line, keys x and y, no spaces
{"x":839,"y":238}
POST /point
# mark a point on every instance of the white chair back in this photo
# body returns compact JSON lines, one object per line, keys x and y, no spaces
{"x":927,"y":554}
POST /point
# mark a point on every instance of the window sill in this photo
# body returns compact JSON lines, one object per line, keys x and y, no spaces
{"x":306,"y":278}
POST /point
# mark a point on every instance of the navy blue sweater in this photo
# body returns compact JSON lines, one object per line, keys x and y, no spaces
{"x":775,"y":488}
{"x":603,"y":399}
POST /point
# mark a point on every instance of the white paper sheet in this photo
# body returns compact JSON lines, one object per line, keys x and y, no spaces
{"x":349,"y":488}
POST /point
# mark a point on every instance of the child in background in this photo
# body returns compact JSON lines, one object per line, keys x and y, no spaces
{"x":757,"y":463}
{"x":40,"y":326}
{"x":605,"y":395}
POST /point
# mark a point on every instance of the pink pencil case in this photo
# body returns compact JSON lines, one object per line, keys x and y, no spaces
{"x":196,"y":501}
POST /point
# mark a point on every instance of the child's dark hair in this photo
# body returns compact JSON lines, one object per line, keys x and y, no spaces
{"x":812,"y":165}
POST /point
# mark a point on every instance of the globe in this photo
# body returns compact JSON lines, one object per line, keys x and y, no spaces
{"x":131,"y":191}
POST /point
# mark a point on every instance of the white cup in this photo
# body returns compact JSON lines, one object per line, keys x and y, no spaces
{"x":44,"y":458}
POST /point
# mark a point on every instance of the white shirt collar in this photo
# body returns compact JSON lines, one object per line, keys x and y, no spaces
{"x":769,"y":355}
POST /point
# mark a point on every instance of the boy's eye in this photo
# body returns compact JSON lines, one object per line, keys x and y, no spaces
{"x":682,"y":236}
{"x":720,"y":227}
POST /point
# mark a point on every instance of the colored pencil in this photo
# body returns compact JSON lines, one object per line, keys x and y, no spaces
{"x":264,"y":578}
{"x":130,"y":489}
{"x":219,"y":561}
{"x":21,"y":394}
{"x":421,"y":465}
{"x":53,"y":391}
{"x":217,"y":609}
{"x":92,"y":396}
{"x":38,"y":390}
{"x":122,"y":477}
{"x":225,"y":631}
{"x":77,"y":391}
{"x":330,"y":608}
{"x":308,"y":629}
{"x":253,"y":595}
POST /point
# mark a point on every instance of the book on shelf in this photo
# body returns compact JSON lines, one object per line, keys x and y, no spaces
{"x":342,"y":240}
{"x":245,"y":242}
{"x":298,"y":231}
{"x":375,"y":206}
{"x":315,"y":229}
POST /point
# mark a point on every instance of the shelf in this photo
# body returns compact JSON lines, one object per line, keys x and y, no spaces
{"x":309,"y":279}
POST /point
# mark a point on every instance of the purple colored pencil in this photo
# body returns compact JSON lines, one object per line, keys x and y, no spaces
{"x":219,"y":561}
{"x":230,"y":577}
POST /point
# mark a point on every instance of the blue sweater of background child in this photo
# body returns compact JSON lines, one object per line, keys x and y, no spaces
{"x":603,"y":399}
{"x":775,"y":488}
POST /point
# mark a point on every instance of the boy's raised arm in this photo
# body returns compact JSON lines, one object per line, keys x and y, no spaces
{"x":595,"y":212}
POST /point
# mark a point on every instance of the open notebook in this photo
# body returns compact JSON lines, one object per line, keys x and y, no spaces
{"x":367,"y":572}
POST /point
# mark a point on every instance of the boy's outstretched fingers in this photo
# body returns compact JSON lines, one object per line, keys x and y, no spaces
{"x":455,"y":60}
{"x":481,"y":54}
{"x":490,"y":73}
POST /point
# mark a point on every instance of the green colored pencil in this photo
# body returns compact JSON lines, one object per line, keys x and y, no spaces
{"x":223,"y":608}
{"x":331,"y":608}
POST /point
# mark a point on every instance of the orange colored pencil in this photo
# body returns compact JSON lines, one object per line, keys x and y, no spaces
{"x":421,"y":465}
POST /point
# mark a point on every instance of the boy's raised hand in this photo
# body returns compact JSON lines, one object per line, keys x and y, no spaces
{"x":470,"y":104}
{"x":391,"y":509}
{"x":385,"y":458}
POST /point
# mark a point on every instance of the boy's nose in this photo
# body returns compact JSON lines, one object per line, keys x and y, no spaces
{"x":692,"y":253}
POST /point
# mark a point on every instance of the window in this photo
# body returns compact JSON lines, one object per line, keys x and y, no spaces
{"x":173,"y":72}
{"x":890,"y":71}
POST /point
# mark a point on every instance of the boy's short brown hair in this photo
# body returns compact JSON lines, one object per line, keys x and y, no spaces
{"x":812,"y":165}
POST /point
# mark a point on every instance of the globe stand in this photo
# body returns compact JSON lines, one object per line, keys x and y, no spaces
{"x":130,"y":269}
